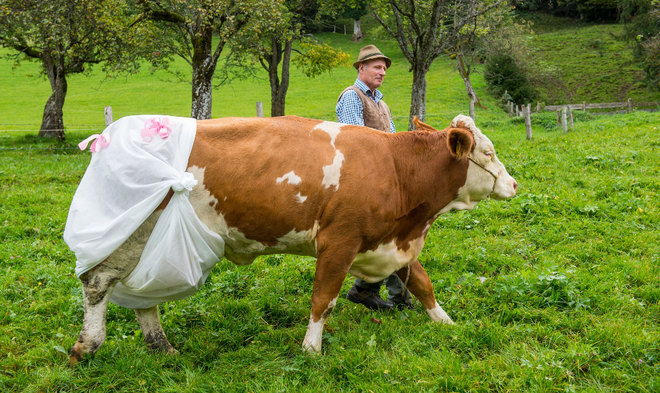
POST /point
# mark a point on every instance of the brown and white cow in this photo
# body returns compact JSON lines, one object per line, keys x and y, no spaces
{"x":359,"y":200}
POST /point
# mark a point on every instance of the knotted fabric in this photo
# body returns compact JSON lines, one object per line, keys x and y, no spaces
{"x":135,"y":162}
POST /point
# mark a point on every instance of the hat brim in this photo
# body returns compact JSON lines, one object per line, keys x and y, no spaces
{"x":388,"y":62}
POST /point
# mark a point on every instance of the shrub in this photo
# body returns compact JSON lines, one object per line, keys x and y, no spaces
{"x":504,"y":75}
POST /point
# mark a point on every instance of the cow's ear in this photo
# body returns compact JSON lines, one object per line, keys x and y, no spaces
{"x":421,"y":126}
{"x":460,"y":142}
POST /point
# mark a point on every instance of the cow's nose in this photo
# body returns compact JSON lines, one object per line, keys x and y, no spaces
{"x":515,"y":185}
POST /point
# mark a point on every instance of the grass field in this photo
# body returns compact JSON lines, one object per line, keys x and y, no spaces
{"x":555,"y":290}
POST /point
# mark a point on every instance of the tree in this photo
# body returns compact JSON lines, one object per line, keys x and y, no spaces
{"x":191,"y":25}
{"x":356,"y":11}
{"x":642,"y":20}
{"x":66,"y":37}
{"x":424,"y":30}
{"x":272,"y":45}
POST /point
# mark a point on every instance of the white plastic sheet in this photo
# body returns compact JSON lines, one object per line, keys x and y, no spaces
{"x":135,"y":162}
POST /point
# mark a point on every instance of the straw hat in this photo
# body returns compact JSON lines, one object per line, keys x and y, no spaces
{"x":370,"y":52}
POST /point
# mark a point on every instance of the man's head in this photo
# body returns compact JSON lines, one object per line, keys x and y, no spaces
{"x":371,"y":66}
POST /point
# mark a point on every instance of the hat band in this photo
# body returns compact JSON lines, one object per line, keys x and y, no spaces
{"x":370,"y":55}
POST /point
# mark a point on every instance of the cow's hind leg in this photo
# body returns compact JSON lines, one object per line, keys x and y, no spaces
{"x":418,"y":282}
{"x":152,"y":330}
{"x":97,"y":286}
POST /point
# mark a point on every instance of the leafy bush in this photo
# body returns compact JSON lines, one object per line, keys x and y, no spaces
{"x":504,"y":76}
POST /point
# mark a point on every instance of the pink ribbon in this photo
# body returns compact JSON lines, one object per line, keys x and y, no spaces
{"x":100,"y":142}
{"x":156,"y":126}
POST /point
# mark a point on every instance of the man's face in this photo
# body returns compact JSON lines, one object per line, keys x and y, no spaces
{"x":372,"y":73}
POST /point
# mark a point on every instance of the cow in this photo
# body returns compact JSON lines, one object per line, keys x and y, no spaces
{"x":359,"y":200}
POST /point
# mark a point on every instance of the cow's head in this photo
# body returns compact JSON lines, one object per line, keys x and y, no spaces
{"x":486,"y":176}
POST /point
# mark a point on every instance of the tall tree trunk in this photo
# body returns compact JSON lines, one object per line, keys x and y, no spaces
{"x":464,"y":70}
{"x":203,"y":65}
{"x":279,"y":88}
{"x":358,"y":35}
{"x":418,"y":95}
{"x":52,"y":122}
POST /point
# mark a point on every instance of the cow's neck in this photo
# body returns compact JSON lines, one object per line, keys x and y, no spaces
{"x":429,"y":176}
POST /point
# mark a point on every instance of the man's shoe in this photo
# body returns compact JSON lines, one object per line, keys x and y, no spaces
{"x":404,"y":306}
{"x":402,"y":303}
{"x":369,"y":299}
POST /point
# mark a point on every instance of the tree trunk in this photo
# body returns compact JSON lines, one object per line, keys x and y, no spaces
{"x":279,"y":88}
{"x":203,"y":65}
{"x":418,"y":95}
{"x":52,"y":122}
{"x":464,"y":70}
{"x":357,"y":31}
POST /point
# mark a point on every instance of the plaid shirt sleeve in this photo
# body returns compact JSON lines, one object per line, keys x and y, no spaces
{"x":349,"y":109}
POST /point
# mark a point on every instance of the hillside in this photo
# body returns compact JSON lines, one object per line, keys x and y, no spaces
{"x":579,"y":62}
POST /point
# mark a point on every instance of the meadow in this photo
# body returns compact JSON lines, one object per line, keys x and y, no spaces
{"x":557,"y":289}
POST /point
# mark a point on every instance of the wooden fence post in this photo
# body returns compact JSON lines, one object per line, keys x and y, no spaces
{"x":584,"y":106}
{"x":107,"y":112}
{"x":629,"y":105}
{"x":538,"y":107}
{"x":558,"y":118}
{"x":260,"y":109}
{"x":564,"y":126}
{"x":528,"y":122}
{"x":570,"y":118}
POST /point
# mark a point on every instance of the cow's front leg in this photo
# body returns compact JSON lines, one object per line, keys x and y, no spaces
{"x":331,"y":268}
{"x":152,"y":330}
{"x":419,"y":283}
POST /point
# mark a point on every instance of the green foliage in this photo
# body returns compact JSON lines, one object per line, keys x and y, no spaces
{"x":316,"y":59}
{"x":506,"y":79}
{"x":642,"y":21}
{"x":600,"y":10}
{"x":76,"y":33}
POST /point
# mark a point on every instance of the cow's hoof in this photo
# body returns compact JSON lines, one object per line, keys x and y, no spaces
{"x":75,"y":355}
{"x":311,"y":349}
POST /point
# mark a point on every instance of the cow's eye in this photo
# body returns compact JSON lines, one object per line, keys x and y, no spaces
{"x":488,"y":153}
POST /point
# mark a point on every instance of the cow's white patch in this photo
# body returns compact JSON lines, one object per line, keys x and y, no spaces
{"x":437,"y":314}
{"x":239,"y":248}
{"x":299,"y":242}
{"x":375,"y":265}
{"x":333,"y":129}
{"x":312,"y":341}
{"x":290,"y":177}
{"x":332,"y":172}
{"x":301,"y":198}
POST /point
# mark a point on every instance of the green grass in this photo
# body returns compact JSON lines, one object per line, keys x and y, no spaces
{"x":584,"y":62}
{"x":570,"y":300}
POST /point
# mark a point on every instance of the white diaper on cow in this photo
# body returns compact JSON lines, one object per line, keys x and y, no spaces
{"x":135,"y":162}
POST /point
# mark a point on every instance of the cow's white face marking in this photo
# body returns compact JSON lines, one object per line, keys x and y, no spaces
{"x":333,"y":129}
{"x":375,"y":265}
{"x":437,"y":314}
{"x":332,"y":172}
{"x":290,"y":178}
{"x":489,"y":180}
{"x":312,"y":341}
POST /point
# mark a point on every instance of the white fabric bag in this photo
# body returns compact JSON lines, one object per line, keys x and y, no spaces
{"x":135,"y":161}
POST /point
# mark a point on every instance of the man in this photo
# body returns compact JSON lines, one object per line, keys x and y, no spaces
{"x":362,"y":104}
